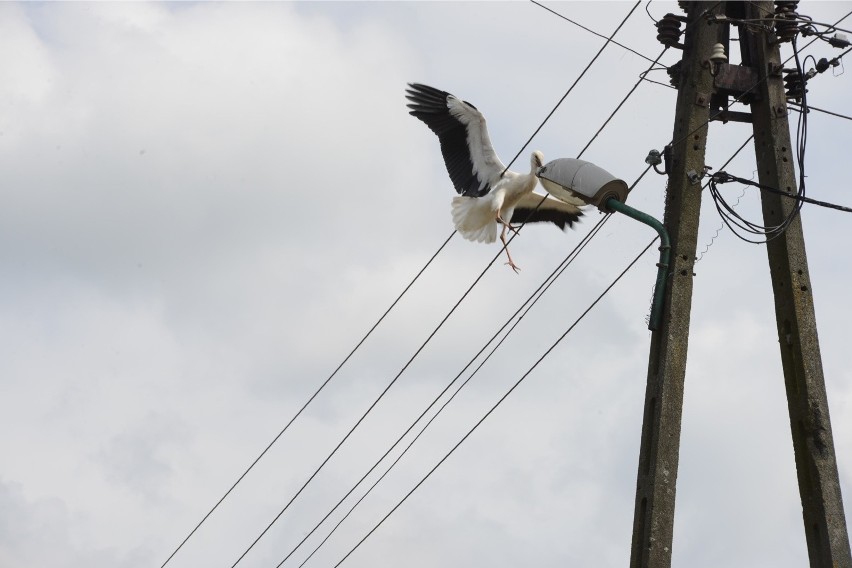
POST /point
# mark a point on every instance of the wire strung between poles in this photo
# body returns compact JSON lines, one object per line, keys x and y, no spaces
{"x":311,"y":399}
{"x":525,"y":307}
{"x":725,"y":177}
{"x":500,"y":401}
{"x":540,"y":291}
{"x":574,"y":84}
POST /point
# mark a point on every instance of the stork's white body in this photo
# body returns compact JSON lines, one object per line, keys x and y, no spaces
{"x":474,"y":217}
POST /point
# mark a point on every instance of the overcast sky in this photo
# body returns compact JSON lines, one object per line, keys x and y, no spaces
{"x":206,"y":206}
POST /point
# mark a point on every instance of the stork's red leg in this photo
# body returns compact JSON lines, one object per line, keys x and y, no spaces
{"x":514,"y":266}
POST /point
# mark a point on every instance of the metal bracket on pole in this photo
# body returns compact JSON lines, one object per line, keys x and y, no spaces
{"x":665,"y":252}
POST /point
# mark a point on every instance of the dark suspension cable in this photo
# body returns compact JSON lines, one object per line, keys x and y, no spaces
{"x":304,"y":406}
{"x":500,"y":401}
{"x":574,"y":84}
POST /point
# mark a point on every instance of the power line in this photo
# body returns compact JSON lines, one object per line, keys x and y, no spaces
{"x":312,"y":397}
{"x":574,"y":84}
{"x":644,"y":77}
{"x":369,"y":409}
{"x":798,"y":108}
{"x":581,"y":26}
{"x":725,"y":177}
{"x":648,"y":11}
{"x":731,"y":159}
{"x":500,"y":401}
{"x":624,"y":100}
{"x":525,"y":307}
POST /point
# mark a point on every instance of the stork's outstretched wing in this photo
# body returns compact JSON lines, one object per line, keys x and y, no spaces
{"x":551,"y":210}
{"x":473,"y":165}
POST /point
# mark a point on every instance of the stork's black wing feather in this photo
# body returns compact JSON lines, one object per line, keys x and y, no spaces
{"x":535,"y":208}
{"x":430,"y":105}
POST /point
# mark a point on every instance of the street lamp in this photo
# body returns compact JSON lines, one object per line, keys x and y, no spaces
{"x":567,"y":178}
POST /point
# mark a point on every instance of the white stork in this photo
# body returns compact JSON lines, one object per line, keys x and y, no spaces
{"x":488,"y":194}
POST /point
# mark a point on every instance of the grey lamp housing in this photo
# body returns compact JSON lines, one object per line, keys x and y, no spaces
{"x":568,"y":179}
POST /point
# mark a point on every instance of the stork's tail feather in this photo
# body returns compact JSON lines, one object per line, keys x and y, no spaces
{"x":474,"y":219}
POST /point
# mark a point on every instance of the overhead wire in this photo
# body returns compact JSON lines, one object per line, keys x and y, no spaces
{"x":591,"y":31}
{"x":369,"y":409}
{"x":725,"y":177}
{"x":369,"y":332}
{"x":309,"y":401}
{"x":519,"y":314}
{"x":498,"y":403}
{"x":707,"y":183}
{"x":644,"y":77}
{"x":648,"y":11}
{"x":798,"y":108}
{"x":624,"y":100}
{"x":574,"y":84}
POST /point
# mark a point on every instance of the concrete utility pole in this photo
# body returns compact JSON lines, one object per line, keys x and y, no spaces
{"x":653,"y":519}
{"x":759,"y":81}
{"x":813,"y":444}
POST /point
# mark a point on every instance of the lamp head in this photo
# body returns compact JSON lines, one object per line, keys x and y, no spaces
{"x":568,"y":179}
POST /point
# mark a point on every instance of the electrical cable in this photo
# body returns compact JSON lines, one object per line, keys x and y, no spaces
{"x":370,"y":408}
{"x":581,"y":26}
{"x":725,"y":177}
{"x":644,"y":77}
{"x":624,"y":100}
{"x":648,"y":11}
{"x":500,"y":401}
{"x":798,"y":108}
{"x":312,"y":397}
{"x":525,"y":307}
{"x":574,"y":84}
{"x":731,"y":159}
